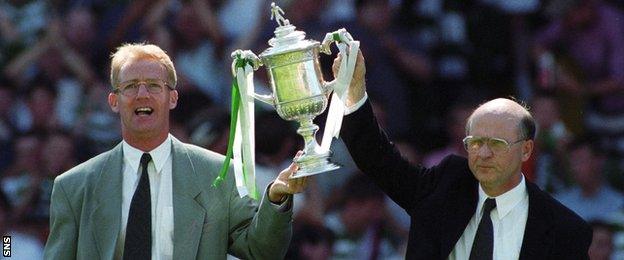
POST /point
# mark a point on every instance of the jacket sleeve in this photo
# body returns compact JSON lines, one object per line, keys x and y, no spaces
{"x":376,"y":156}
{"x":259,"y":233}
{"x":61,"y":242}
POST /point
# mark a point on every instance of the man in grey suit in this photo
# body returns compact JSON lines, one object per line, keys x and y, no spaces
{"x":151,"y":195}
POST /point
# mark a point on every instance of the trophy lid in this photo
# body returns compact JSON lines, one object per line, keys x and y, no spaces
{"x":287,"y":38}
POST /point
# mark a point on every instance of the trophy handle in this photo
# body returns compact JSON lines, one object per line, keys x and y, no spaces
{"x":328,"y":87}
{"x":339,"y":36}
{"x":269,"y":99}
{"x":255,"y":62}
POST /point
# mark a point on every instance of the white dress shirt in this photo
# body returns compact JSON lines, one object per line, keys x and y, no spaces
{"x":357,"y":105}
{"x":508,"y":220}
{"x":159,"y":171}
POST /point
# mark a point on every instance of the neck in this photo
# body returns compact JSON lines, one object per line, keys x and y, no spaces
{"x":497,"y":190}
{"x":145,"y":144}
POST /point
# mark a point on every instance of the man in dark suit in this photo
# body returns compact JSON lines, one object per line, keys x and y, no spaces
{"x":150,"y":197}
{"x":480,"y":207}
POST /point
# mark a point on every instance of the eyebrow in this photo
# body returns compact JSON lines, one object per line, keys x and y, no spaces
{"x":148,"y":79}
{"x":142,"y":80}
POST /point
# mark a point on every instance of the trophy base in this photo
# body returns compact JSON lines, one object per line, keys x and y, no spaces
{"x":313,"y":167}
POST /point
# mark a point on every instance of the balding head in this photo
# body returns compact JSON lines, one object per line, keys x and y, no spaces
{"x":498,"y":168}
{"x":509,"y":110}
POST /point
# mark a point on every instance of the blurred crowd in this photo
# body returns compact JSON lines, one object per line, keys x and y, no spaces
{"x":429,"y":63}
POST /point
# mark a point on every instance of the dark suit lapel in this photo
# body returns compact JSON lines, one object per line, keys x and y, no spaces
{"x":536,"y":242}
{"x":460,"y":207}
{"x":188,"y":214}
{"x":107,"y":214}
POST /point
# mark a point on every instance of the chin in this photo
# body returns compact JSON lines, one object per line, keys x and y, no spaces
{"x":485,"y":177}
{"x":144,"y":131}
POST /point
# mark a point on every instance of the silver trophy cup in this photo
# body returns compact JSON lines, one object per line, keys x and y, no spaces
{"x":299,"y":92}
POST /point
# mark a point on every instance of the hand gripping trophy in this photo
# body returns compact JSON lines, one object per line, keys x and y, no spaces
{"x":299,"y":92}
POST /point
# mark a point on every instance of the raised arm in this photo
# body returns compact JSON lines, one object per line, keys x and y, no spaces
{"x":375,"y":154}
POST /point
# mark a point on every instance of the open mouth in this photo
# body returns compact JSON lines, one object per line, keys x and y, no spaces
{"x":143,"y":111}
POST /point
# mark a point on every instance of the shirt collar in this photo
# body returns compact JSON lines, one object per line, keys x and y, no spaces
{"x":160,"y":154}
{"x":506,"y":201}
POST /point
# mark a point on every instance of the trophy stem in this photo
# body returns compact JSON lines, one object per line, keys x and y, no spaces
{"x":314,"y":159}
{"x":307,"y":130}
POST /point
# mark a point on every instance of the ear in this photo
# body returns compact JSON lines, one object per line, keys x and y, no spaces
{"x":527,"y":150}
{"x":112,"y":102}
{"x":173,"y":99}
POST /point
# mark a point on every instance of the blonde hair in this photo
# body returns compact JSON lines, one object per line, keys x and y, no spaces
{"x":141,"y":51}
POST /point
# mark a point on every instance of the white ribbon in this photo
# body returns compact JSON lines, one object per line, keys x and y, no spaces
{"x":244,"y":139}
{"x":341,"y":85}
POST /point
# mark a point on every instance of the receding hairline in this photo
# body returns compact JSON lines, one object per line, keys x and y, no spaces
{"x":503,"y":106}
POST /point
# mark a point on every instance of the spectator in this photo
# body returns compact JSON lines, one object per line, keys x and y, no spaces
{"x":199,"y":51}
{"x":617,"y":221}
{"x":602,"y":243}
{"x":275,"y":145}
{"x":95,"y":123}
{"x":20,"y":176}
{"x":210,"y":129}
{"x":311,"y":242}
{"x":7,"y":128}
{"x":585,"y":37}
{"x":25,"y":243}
{"x":397,"y":68}
{"x":544,"y":167}
{"x":455,"y":128}
{"x":20,"y":24}
{"x":360,"y":223}
{"x":591,"y":198}
{"x":57,"y":156}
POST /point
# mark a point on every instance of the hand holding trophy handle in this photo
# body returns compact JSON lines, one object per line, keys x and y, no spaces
{"x":349,"y":49}
{"x":338,"y":37}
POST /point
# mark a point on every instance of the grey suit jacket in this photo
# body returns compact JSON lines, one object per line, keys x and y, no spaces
{"x":85,"y":212}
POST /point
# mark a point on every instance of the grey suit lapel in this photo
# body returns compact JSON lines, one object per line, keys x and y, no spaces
{"x":188,"y":214}
{"x":107,"y":214}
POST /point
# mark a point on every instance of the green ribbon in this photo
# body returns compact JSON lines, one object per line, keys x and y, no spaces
{"x":236,"y":100}
{"x":233,"y":118}
{"x":336,"y":37}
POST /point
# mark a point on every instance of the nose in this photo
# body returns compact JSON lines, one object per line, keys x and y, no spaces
{"x":485,"y":151}
{"x":142,"y":91}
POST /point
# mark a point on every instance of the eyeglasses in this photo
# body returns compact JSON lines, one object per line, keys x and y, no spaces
{"x":474,"y":143}
{"x":131,"y":88}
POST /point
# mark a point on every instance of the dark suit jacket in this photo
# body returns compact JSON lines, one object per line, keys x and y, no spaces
{"x":441,"y":200}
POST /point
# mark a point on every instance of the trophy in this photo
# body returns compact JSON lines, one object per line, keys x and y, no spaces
{"x":299,"y":92}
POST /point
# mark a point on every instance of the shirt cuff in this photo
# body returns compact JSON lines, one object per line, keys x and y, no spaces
{"x":284,"y":206}
{"x":357,"y":105}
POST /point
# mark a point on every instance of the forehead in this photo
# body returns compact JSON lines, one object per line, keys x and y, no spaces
{"x":502,"y":126}
{"x":142,"y":69}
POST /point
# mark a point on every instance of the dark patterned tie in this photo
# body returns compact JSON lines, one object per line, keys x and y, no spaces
{"x":138,"y":243}
{"x":483,"y":246}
